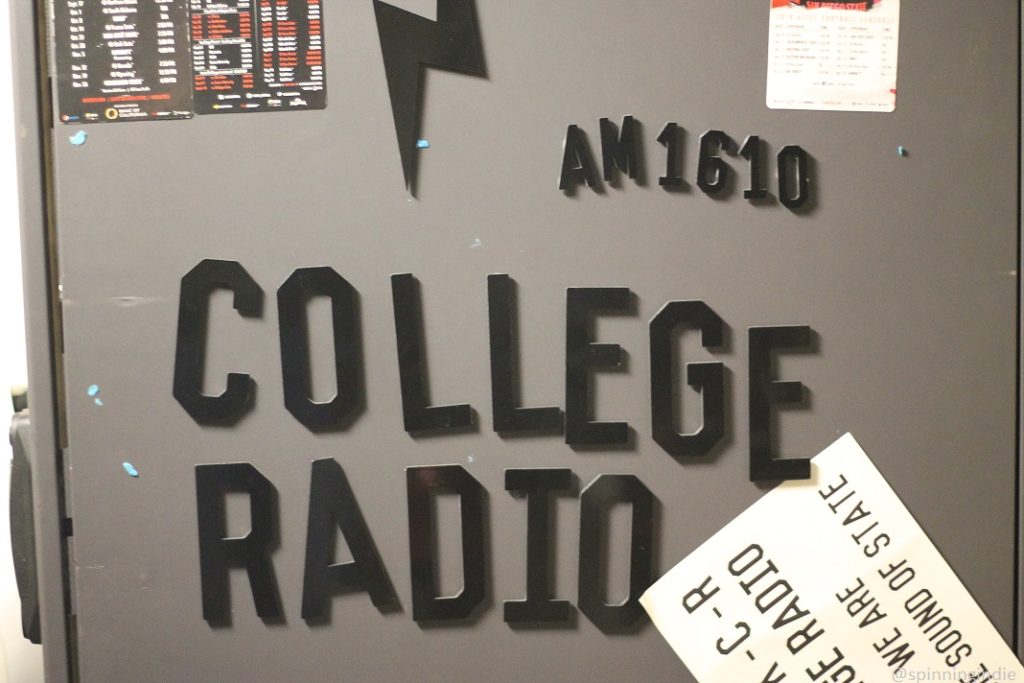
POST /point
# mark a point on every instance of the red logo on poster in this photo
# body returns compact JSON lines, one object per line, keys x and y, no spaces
{"x":860,"y":5}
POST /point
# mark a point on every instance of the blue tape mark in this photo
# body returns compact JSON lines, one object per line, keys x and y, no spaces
{"x":130,"y":469}
{"x":79,"y":138}
{"x":423,"y":144}
{"x":93,"y":389}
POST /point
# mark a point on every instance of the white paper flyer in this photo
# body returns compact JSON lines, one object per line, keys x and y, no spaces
{"x":826,"y":580}
{"x":835,"y":56}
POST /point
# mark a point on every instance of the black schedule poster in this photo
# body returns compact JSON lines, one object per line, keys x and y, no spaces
{"x":122,"y":60}
{"x":257,"y":56}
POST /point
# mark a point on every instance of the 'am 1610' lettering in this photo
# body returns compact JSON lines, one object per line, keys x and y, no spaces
{"x":621,"y":153}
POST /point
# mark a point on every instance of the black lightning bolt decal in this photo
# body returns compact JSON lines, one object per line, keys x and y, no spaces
{"x":409,"y":42}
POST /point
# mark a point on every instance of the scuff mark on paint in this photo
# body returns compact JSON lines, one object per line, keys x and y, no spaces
{"x":126,"y":301}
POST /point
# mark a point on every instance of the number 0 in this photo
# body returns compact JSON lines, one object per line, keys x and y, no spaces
{"x":793,"y":165}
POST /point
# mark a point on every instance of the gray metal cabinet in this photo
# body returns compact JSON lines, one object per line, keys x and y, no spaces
{"x":905,"y":267}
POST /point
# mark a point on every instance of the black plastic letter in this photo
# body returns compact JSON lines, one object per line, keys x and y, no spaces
{"x":764,"y":391}
{"x":331,"y":502}
{"x":707,"y":378}
{"x":538,"y":486}
{"x":190,"y":353}
{"x":595,"y":502}
{"x":793,"y":155}
{"x":292,"y":301}
{"x":619,"y":150}
{"x":423,"y":483}
{"x":419,"y":415}
{"x":218,"y":553}
{"x":751,"y":151}
{"x":710,"y":142}
{"x":508,"y":418}
{"x":577,"y":161}
{"x":670,"y":137}
{"x":581,"y":355}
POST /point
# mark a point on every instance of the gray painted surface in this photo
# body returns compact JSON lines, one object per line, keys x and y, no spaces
{"x":40,"y":357}
{"x":1020,"y":389}
{"x":906,"y":270}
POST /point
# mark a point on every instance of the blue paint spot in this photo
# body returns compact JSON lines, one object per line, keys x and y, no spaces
{"x":79,"y":138}
{"x":98,"y":401}
{"x":93,"y":389}
{"x":130,"y":469}
{"x":423,"y":144}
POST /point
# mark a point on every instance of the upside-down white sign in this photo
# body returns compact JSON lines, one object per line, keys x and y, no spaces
{"x":826,"y":580}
